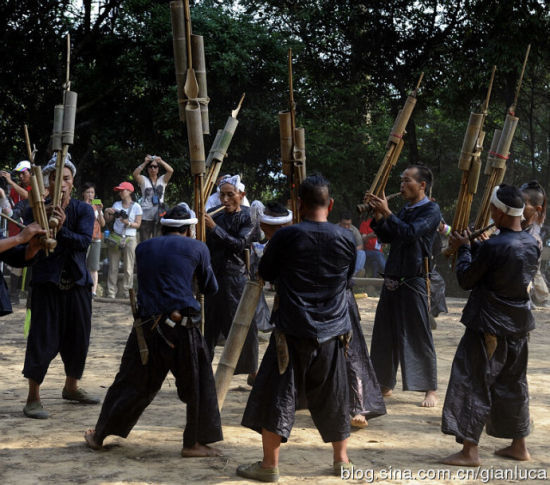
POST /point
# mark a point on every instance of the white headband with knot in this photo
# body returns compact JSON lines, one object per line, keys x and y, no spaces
{"x":235,"y":181}
{"x":50,"y":166}
{"x":511,"y":211}
{"x":181,"y":222}
{"x":276,"y":220}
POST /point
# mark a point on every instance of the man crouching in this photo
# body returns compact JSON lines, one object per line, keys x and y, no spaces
{"x":168,"y":315}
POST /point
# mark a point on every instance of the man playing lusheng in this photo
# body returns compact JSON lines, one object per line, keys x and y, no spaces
{"x":488,"y":384}
{"x":165,"y":269}
{"x":401,"y":332}
{"x":311,"y":264}
{"x":61,"y":299}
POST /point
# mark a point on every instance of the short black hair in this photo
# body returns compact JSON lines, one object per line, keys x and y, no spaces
{"x":275,"y":209}
{"x":510,"y":195}
{"x":314,"y":191}
{"x":86,"y":186}
{"x":344,"y":216}
{"x":423,"y":174}
{"x":177,"y":212}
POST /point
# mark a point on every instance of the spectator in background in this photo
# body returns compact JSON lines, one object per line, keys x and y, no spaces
{"x":345,"y":222}
{"x":152,"y":189}
{"x":18,"y":195}
{"x":374,"y":257}
{"x":127,"y":218}
{"x":94,"y":250}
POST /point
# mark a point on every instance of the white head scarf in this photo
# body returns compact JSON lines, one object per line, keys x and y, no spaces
{"x":181,"y":222}
{"x":235,"y":181}
{"x":511,"y":211}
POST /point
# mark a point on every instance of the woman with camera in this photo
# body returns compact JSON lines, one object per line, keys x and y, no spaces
{"x":152,"y":189}
{"x":127,"y":219}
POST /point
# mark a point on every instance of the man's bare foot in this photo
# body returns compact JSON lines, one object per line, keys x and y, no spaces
{"x":198,"y":450}
{"x":89,"y":436}
{"x":386,"y":391}
{"x":430,"y":400}
{"x":462,"y":459}
{"x":359,"y":421}
{"x":514,"y":451}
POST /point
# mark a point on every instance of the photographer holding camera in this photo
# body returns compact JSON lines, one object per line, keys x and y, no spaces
{"x":152,"y":189}
{"x":18,"y":195}
{"x":127,"y":218}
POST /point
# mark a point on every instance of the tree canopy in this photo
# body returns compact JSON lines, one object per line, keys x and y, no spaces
{"x":354,"y":64}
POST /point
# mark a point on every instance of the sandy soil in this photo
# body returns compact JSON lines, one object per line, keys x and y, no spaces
{"x":407,"y":440}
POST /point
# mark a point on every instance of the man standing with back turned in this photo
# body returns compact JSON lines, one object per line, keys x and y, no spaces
{"x":311,"y":264}
{"x":401,"y":332}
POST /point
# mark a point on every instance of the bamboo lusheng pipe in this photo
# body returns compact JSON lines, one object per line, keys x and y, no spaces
{"x":470,"y":162}
{"x":500,"y":152}
{"x":285,"y":135}
{"x":219,"y":209}
{"x":36,"y":200}
{"x":237,"y":335}
{"x":366,"y":207}
{"x":395,"y":142}
{"x":13,"y":221}
{"x":199,"y":66}
{"x":218,"y":152}
{"x":473,"y":236}
{"x":180,"y":52}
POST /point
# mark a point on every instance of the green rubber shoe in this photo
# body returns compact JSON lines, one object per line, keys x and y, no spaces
{"x":256,"y":472}
{"x":35,"y":410}
{"x":80,"y":395}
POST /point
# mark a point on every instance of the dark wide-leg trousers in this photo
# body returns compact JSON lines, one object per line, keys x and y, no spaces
{"x":402,"y":336}
{"x":487,"y":392}
{"x":136,"y":385}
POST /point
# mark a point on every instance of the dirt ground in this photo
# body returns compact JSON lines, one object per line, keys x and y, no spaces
{"x":402,"y":447}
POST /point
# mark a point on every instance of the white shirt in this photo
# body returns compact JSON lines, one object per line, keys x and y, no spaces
{"x":134,"y":211}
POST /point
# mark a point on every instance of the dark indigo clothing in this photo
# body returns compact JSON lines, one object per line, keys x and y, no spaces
{"x":499,"y":274}
{"x":165,"y":284}
{"x":402,"y":336}
{"x":311,"y":264}
{"x":365,"y":395}
{"x":317,"y":371}
{"x":401,"y":333}
{"x":487,"y":392}
{"x":73,"y":240}
{"x":226,"y":243}
{"x":177,"y":259}
{"x":136,"y":385}
{"x":438,"y":303}
{"x":60,"y":323}
{"x":14,"y":257}
{"x":411,"y":234}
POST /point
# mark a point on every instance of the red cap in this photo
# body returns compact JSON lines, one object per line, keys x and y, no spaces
{"x":124,"y":186}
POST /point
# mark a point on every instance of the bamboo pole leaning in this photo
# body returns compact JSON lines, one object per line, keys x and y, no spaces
{"x":470,"y":163}
{"x":293,"y":146}
{"x":499,"y":153}
{"x":394,"y":146}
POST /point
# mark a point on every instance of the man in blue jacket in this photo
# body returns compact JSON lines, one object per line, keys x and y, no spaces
{"x":169,"y":318}
{"x":401,"y":334}
{"x":488,"y":383}
{"x":61,"y":300}
{"x":311,"y":264}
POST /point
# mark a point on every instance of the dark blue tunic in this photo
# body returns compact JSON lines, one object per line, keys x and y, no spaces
{"x":401,"y":333}
{"x":493,"y":391}
{"x":61,"y":298}
{"x":311,"y":264}
{"x":166,"y":266}
{"x":227,"y":242}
